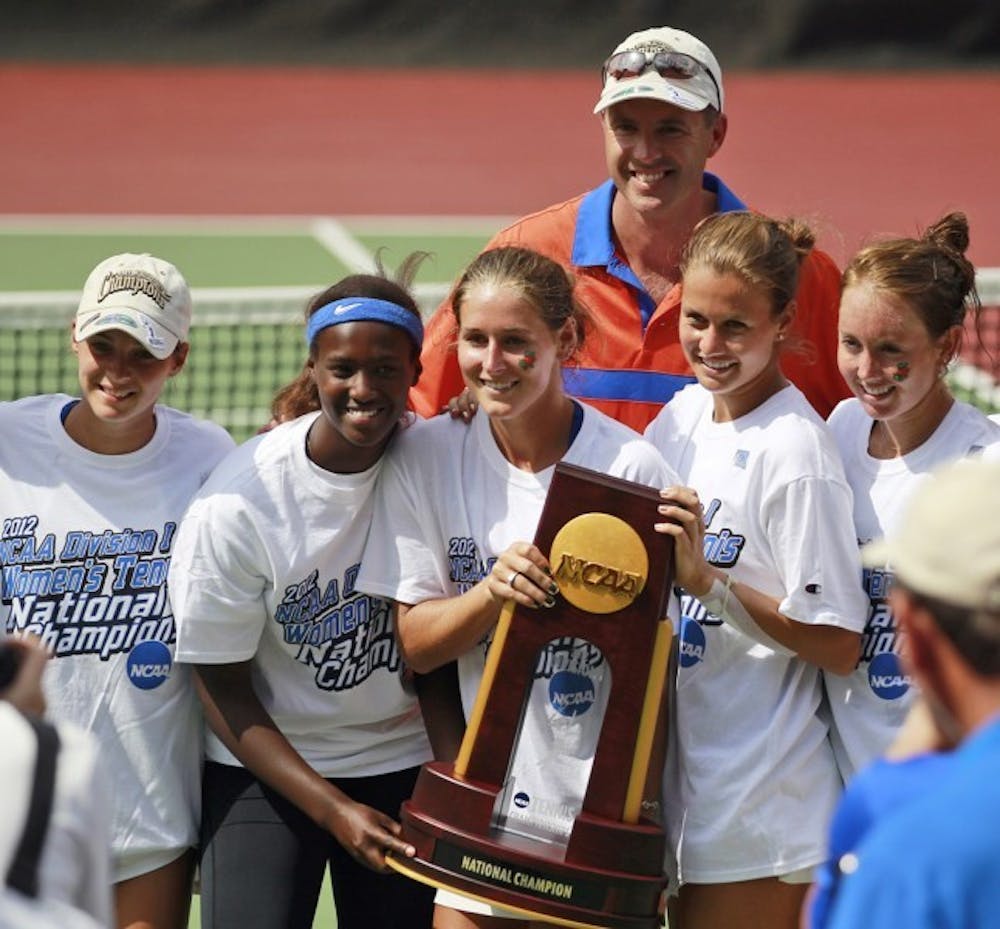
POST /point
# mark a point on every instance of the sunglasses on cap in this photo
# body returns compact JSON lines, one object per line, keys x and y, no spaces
{"x":675,"y":66}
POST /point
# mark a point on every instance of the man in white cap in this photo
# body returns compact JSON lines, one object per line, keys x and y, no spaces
{"x":936,"y":862}
{"x":662,"y":117}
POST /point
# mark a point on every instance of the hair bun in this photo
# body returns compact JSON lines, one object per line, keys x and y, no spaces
{"x":950,"y":232}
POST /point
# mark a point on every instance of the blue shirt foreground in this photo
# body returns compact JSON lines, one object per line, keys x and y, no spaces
{"x":936,"y":863}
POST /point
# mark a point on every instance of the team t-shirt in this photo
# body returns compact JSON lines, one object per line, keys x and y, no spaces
{"x":85,"y":548}
{"x":449,"y":504}
{"x":758,"y":779}
{"x":869,"y":705}
{"x":265,"y":568}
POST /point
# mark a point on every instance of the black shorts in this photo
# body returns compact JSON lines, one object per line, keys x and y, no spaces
{"x":263,"y":859}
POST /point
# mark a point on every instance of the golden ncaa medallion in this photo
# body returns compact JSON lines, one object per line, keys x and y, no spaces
{"x":599,"y":562}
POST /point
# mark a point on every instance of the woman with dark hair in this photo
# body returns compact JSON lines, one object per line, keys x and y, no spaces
{"x":313,"y":741}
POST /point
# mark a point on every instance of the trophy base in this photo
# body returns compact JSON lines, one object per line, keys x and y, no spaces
{"x":563,"y":885}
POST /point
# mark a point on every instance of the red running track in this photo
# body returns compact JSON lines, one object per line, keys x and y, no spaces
{"x":857,"y":153}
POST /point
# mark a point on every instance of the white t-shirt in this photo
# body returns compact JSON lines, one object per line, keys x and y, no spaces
{"x":869,"y":705}
{"x":757,"y":775}
{"x":264,"y":568}
{"x":85,"y":545}
{"x":449,"y":504}
{"x":74,"y":869}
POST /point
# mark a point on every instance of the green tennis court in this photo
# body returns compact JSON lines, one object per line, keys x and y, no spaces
{"x":53,"y":254}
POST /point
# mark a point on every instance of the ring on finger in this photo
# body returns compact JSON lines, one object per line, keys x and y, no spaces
{"x":512,"y":578}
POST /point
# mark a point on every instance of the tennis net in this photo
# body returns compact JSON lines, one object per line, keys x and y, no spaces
{"x":246,"y":343}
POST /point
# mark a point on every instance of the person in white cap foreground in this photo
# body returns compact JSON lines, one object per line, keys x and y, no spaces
{"x":662,"y":115}
{"x":936,"y":862}
{"x":91,"y":490}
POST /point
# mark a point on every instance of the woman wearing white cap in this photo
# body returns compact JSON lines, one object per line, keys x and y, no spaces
{"x":91,"y":491}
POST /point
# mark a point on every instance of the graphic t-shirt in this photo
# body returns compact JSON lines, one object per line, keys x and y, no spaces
{"x":85,"y":546}
{"x":265,"y":568}
{"x":869,"y":705}
{"x":758,"y":779}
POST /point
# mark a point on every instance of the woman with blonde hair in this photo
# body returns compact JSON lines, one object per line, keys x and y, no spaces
{"x":765,"y":558}
{"x":450,"y":542}
{"x":902,"y":315}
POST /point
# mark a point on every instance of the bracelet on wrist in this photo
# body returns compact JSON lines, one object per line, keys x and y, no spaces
{"x":717,"y":599}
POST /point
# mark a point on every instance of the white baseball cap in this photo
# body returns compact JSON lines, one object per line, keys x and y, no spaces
{"x":947,"y":543}
{"x":143,"y":296}
{"x":691,"y":80}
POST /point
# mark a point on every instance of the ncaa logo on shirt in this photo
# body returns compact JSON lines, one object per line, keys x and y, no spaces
{"x":886,"y":677}
{"x":521,"y":799}
{"x":692,"y":645}
{"x":571,"y":694}
{"x":149,"y":665}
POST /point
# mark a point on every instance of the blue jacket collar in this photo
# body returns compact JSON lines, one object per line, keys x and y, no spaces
{"x":593,"y":243}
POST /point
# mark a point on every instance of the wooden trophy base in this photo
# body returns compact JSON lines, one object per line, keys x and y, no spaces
{"x":609,"y":874}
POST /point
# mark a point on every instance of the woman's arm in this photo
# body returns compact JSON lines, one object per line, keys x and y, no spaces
{"x":829,"y":647}
{"x":435,"y":632}
{"x":238,"y":718}
{"x":753,"y":612}
{"x":441,"y":705}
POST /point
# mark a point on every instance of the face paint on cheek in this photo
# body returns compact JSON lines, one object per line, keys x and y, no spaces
{"x":902,"y":371}
{"x":527,"y":362}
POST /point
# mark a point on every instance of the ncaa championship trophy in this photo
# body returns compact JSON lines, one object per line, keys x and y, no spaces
{"x":472,"y":822}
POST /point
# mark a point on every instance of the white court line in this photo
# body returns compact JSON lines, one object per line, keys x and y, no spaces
{"x":343,"y":246}
{"x":485,"y":226}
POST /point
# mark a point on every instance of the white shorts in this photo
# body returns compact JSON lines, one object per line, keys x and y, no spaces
{"x":464,"y":904}
{"x":134,"y":864}
{"x":801,"y":876}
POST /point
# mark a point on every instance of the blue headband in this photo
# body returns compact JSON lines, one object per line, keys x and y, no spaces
{"x":365,"y":309}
